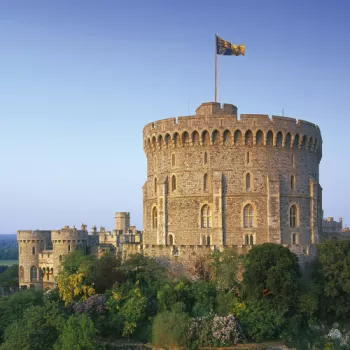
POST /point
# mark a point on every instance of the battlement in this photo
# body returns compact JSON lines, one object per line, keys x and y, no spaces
{"x":33,"y":235}
{"x":68,"y":233}
{"x":219,"y":125}
{"x":214,"y":108}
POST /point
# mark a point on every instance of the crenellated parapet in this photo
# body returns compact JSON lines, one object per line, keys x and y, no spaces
{"x":215,"y":125}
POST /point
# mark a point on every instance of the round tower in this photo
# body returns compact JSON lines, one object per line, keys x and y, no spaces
{"x":215,"y":179}
{"x":30,"y":245}
{"x":122,"y":221}
{"x":65,"y":241}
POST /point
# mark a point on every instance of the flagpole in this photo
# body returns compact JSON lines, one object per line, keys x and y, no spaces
{"x":216,"y":70}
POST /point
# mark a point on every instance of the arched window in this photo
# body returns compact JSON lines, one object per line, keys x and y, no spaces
{"x":208,"y":241}
{"x":33,"y":273}
{"x":173,"y":183}
{"x":292,"y":182}
{"x":155,"y":186}
{"x":251,"y":240}
{"x":292,"y":160}
{"x":60,"y":258}
{"x":205,"y":182}
{"x":33,"y":250}
{"x":21,"y":273}
{"x":173,"y":160}
{"x":248,"y":216}
{"x":155,"y":163}
{"x":171,"y":240}
{"x":205,"y":216}
{"x":246,"y":239}
{"x":155,"y":218}
{"x":205,"y":157}
{"x":247,"y":182}
{"x":293,"y":216}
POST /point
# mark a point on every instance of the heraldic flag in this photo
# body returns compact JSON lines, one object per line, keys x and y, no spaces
{"x":223,"y":47}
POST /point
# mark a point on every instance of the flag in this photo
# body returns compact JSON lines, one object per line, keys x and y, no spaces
{"x":223,"y":47}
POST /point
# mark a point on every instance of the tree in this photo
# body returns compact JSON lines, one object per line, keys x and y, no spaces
{"x":39,"y":328}
{"x":9,"y":278}
{"x":272,"y":274}
{"x":333,"y":277}
{"x":78,"y":333}
{"x":13,"y":307}
{"x":224,"y":266}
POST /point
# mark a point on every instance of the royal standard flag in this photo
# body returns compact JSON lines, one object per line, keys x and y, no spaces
{"x":223,"y":47}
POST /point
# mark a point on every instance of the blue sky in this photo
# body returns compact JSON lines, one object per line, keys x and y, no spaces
{"x":80,"y":79}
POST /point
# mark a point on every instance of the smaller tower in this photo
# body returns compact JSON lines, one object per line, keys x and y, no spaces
{"x":122,"y":221}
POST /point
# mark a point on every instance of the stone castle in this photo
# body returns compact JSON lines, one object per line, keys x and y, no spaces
{"x":41,"y":252}
{"x":213,"y":180}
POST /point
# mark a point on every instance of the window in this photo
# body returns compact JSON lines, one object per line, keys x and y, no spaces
{"x":295,"y":238}
{"x":33,"y":273}
{"x":247,"y":182}
{"x":248,"y":216}
{"x":292,"y":182}
{"x":173,"y":183}
{"x":208,"y":240}
{"x":292,"y":160}
{"x":173,"y":160}
{"x":21,"y":273}
{"x":33,"y":250}
{"x":249,"y":240}
{"x":293,"y":216}
{"x":69,"y":247}
{"x":205,"y":182}
{"x":60,"y":258}
{"x":205,"y":158}
{"x":155,"y":163}
{"x":171,"y":240}
{"x":154,"y":218}
{"x":205,"y":217}
{"x":155,"y":186}
{"x":248,"y":157}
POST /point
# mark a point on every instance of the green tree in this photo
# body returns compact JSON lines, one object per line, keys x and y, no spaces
{"x":272,"y":273}
{"x":333,"y":277}
{"x":13,"y":307}
{"x":9,"y":278}
{"x":224,"y":266}
{"x":78,"y":333}
{"x":38,"y":328}
{"x":146,"y":271}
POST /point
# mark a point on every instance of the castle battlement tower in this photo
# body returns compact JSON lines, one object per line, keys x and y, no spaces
{"x":216,"y":179}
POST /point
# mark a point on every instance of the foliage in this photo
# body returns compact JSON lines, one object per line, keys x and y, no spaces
{"x":149,"y":274}
{"x":170,"y":329}
{"x":224,"y":266}
{"x":78,"y":333}
{"x":39,"y":328}
{"x":9,"y":278}
{"x":13,"y":307}
{"x":333,"y":276}
{"x":259,"y":321}
{"x":94,"y":305}
{"x":132,"y":309}
{"x":74,"y":286}
{"x":272,"y":273}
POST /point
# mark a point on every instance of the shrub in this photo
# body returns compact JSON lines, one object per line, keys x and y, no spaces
{"x":170,"y":329}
